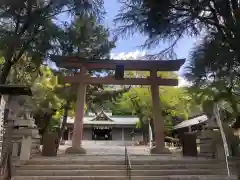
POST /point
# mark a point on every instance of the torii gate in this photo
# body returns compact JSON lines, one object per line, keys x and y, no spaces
{"x":83,"y":79}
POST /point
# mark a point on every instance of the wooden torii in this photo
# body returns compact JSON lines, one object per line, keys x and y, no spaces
{"x":82,"y":79}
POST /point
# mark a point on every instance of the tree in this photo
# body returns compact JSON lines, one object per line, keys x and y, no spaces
{"x":27,"y":28}
{"x":45,"y":104}
{"x":85,"y":38}
{"x":212,"y":78}
{"x":170,"y":20}
{"x":176,"y":102}
{"x":216,"y":60}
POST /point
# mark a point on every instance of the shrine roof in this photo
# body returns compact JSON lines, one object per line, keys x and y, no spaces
{"x":141,"y":65}
{"x":191,"y":122}
{"x":103,"y":119}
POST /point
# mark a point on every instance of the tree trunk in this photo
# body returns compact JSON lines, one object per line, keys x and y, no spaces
{"x":143,"y":129}
{"x":145,"y":133}
{"x":47,"y":120}
{"x":5,"y":71}
{"x":64,"y":122}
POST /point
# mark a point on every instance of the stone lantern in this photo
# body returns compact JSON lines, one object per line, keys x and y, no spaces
{"x":18,"y":128}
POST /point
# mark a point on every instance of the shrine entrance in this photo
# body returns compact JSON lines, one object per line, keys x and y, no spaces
{"x":83,"y":78}
{"x":101,"y":133}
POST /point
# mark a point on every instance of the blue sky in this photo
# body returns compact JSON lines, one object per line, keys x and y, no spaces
{"x":130,"y":47}
{"x":132,"y":43}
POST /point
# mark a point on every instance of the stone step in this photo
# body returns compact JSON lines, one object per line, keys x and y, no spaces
{"x":72,"y":167}
{"x":75,"y":162}
{"x":120,"y":162}
{"x":118,"y":172}
{"x":120,"y":167}
{"x":178,"y":177}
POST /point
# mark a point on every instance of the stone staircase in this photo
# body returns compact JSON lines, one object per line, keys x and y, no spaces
{"x":112,"y":167}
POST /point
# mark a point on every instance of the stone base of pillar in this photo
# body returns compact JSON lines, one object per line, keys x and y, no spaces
{"x":72,"y":150}
{"x":164,"y":150}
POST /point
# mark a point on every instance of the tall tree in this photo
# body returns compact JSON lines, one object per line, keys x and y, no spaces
{"x":170,"y":20}
{"x":212,"y":78}
{"x":85,"y":38}
{"x":216,"y":60}
{"x":28,"y":28}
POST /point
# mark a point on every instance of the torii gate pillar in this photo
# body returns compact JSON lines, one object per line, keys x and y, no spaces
{"x":79,"y":115}
{"x":158,"y":120}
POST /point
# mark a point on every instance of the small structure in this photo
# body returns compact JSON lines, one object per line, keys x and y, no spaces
{"x":105,"y":126}
{"x":193,"y":124}
{"x":187,"y":133}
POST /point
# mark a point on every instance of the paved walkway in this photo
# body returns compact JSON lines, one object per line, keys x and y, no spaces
{"x":108,"y":148}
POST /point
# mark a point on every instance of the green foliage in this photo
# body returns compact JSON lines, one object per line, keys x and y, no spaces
{"x":45,"y":100}
{"x":29,"y":28}
{"x":214,"y":62}
{"x":175,"y":102}
{"x":85,"y":38}
{"x":170,"y":20}
{"x":212,"y":78}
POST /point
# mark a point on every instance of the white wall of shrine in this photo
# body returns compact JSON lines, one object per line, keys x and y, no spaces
{"x":118,"y":133}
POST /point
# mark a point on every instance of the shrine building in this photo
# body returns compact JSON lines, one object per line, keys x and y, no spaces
{"x":105,"y":126}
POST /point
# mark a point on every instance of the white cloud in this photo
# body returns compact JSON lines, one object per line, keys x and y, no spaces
{"x":183,"y":82}
{"x":128,"y":55}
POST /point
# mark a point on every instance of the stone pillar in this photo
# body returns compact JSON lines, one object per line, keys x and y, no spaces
{"x":79,"y":115}
{"x":3,"y":105}
{"x":157,"y":117}
{"x":26,"y":148}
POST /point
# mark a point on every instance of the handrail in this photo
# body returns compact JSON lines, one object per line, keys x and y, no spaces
{"x":127,"y":163}
{"x":223,"y":136}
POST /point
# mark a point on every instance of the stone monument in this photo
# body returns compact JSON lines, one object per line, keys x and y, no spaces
{"x":18,"y":131}
{"x":210,"y":131}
